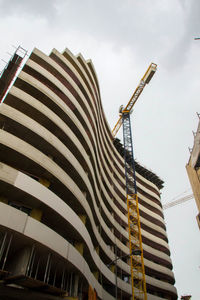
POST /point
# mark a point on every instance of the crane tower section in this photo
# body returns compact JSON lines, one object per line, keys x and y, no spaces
{"x":135,"y":237}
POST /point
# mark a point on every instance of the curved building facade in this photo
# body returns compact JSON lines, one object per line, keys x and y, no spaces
{"x":63,"y":212}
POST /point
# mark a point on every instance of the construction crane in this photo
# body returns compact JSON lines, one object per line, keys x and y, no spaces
{"x":135,"y":238}
{"x":178,"y":201}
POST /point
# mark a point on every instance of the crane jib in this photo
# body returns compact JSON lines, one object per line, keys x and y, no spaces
{"x":145,"y":79}
{"x":135,"y":96}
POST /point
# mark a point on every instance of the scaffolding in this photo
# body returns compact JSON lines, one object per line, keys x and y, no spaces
{"x":8,"y":74}
{"x":35,"y":267}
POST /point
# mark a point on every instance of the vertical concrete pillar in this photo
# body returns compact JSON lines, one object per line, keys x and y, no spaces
{"x":76,"y":281}
{"x":3,"y":199}
{"x":112,"y":268}
{"x":19,"y":262}
{"x":83,"y":218}
{"x":96,"y":275}
{"x":97,"y":250}
{"x":44,"y":182}
{"x":79,"y":247}
{"x":36,"y":214}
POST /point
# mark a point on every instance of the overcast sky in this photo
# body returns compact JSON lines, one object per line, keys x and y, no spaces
{"x":122,"y":37}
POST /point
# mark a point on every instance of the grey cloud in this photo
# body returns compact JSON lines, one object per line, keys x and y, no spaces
{"x":193,"y":20}
{"x":44,"y":8}
{"x":148,"y":30}
{"x":180,"y":50}
{"x":118,"y":22}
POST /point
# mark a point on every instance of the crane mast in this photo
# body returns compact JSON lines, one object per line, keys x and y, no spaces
{"x":135,"y":238}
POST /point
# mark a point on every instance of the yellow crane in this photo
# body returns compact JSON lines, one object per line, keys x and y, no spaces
{"x":145,"y":79}
{"x":135,"y":239}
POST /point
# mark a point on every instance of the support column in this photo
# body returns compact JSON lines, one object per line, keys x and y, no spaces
{"x":44,"y":182}
{"x":36,"y":213}
{"x":97,"y":250}
{"x":96,"y":275}
{"x":83,"y":218}
{"x":80,"y":247}
{"x":76,"y":281}
{"x":3,"y":200}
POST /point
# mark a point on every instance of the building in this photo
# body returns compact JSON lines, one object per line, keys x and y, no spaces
{"x":188,"y":297}
{"x":193,"y":170}
{"x":63,"y":213}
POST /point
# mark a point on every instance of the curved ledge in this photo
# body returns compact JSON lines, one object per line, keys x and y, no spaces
{"x":54,"y":122}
